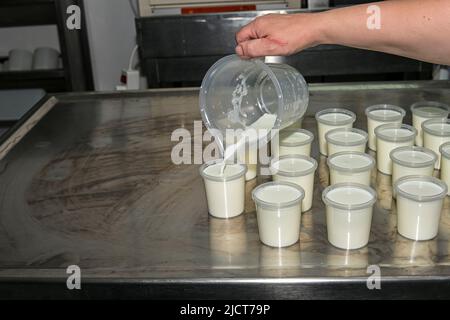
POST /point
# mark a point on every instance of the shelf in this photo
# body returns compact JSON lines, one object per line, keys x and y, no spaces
{"x":49,"y":80}
{"x":27,"y":13}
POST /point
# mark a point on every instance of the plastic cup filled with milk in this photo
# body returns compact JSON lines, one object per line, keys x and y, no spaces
{"x":350,"y":166}
{"x":419,"y":205}
{"x":445,"y":162}
{"x":330,"y":119}
{"x":297,"y":169}
{"x":225,"y":188}
{"x":436,"y":132}
{"x":380,"y":114}
{"x":292,"y":141}
{"x":425,"y":110}
{"x":410,"y":161}
{"x":278,"y":211}
{"x":390,"y":137}
{"x":346,"y":139}
{"x":349,"y":209}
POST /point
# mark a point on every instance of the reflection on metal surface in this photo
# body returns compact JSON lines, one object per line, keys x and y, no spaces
{"x":324,"y":172}
{"x":384,"y":190}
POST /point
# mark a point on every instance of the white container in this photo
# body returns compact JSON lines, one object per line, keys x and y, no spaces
{"x":299,"y":170}
{"x":292,"y":141}
{"x":445,"y":163}
{"x":20,"y":60}
{"x":225,"y":193}
{"x":45,"y":58}
{"x":390,"y":137}
{"x":278,"y":211}
{"x":380,"y":114}
{"x":425,"y":110}
{"x":436,"y":132}
{"x":349,"y":209}
{"x":419,"y":205}
{"x":330,"y":119}
{"x":410,"y":161}
{"x":346,"y":139}
{"x":348,"y":166}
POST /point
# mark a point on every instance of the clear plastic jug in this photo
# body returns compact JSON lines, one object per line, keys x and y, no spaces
{"x":236,"y":93}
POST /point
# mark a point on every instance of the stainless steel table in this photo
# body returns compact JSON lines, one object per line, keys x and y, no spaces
{"x":88,"y":180}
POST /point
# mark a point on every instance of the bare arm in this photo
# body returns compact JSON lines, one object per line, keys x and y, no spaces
{"x":412,"y":28}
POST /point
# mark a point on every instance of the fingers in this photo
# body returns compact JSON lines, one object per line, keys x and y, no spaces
{"x":257,"y":48}
{"x":247,"y":32}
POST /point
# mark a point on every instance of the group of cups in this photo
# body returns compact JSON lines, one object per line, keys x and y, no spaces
{"x":349,"y":199}
{"x":43,"y":58}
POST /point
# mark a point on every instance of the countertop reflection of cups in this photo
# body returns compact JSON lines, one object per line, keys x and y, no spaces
{"x":413,"y":253}
{"x":45,"y":59}
{"x":384,"y":190}
{"x":352,"y":259}
{"x":20,"y":60}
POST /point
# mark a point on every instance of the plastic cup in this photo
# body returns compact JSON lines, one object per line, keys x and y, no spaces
{"x":346,"y":139}
{"x":292,"y":141}
{"x":419,"y":205}
{"x":225,"y":193}
{"x":425,"y":110}
{"x":299,"y":170}
{"x":380,"y":114}
{"x":350,"y":167}
{"x":235,"y":93}
{"x":330,"y":119}
{"x":349,"y":209}
{"x":278,"y":211}
{"x":410,"y":161}
{"x":390,"y":137}
{"x":436,"y":132}
{"x":445,"y":163}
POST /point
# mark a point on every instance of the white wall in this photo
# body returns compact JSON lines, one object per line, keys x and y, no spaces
{"x":112,"y":36}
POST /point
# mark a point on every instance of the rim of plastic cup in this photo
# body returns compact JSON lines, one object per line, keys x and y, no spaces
{"x":399,"y":192}
{"x":206,"y":176}
{"x":278,"y":205}
{"x":351,"y":154}
{"x":395,"y":138}
{"x":296,"y":144}
{"x":400,"y":116}
{"x":434,"y":132}
{"x":444,"y":109}
{"x":344,"y":206}
{"x":336,"y":110}
{"x":444,"y":149}
{"x":299,"y":173}
{"x":363,"y":140}
{"x":413,"y":164}
{"x":205,"y":86}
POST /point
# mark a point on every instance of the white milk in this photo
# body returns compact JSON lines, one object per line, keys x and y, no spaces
{"x":389,"y":137}
{"x":381,"y":114}
{"x":419,"y":205}
{"x":410,"y":161}
{"x":350,"y":166}
{"x":425,"y":110}
{"x":299,"y":170}
{"x":225,"y":192}
{"x":292,"y":142}
{"x":330,"y":119}
{"x":435,"y":133}
{"x":445,"y":163}
{"x":349,"y":214}
{"x":346,"y":139}
{"x":278,"y":210}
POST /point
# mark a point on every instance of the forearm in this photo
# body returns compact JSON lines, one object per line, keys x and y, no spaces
{"x":412,"y":28}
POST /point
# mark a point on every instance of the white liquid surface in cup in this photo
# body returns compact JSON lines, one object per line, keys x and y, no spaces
{"x":295,"y":165}
{"x":414,"y":157}
{"x":349,"y":229}
{"x":433,"y":142}
{"x":225,"y":198}
{"x":323,"y":128}
{"x":278,"y":227}
{"x":419,"y":220}
{"x":373,"y":124}
{"x":346,"y":137}
{"x":384,"y":147}
{"x":291,"y":143}
{"x":350,"y":162}
{"x":418,"y":120}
